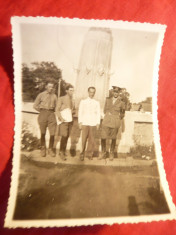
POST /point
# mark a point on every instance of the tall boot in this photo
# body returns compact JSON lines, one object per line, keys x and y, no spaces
{"x":51,"y":143}
{"x":103,"y":149}
{"x":63,"y":143}
{"x":113,"y":144}
{"x":43,"y":146}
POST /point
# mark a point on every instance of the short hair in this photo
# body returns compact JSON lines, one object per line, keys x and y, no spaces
{"x":50,"y":81}
{"x":91,"y":87}
{"x":68,"y":86}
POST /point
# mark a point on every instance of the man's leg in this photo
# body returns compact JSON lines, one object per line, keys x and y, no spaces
{"x":64,"y":139}
{"x":113,"y":143}
{"x":85,"y":131}
{"x":103,"y":149}
{"x":64,"y":144}
{"x":52,"y":129}
{"x":42,"y":140}
{"x":91,"y":141}
{"x":42,"y":120}
{"x":70,"y":125}
{"x":43,"y":145}
{"x":103,"y":145}
{"x":104,"y":136}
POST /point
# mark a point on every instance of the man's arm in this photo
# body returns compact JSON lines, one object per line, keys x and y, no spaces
{"x":55,"y":103}
{"x":58,"y":109}
{"x":106,"y":108}
{"x":37,"y":103}
{"x":122,"y":110}
{"x":80,"y":111}
{"x":98,"y":115}
{"x":73,"y":108}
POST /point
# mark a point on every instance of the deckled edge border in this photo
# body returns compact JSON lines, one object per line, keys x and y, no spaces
{"x":9,"y":222}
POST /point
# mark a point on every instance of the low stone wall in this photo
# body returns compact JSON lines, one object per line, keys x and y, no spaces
{"x":136,"y":128}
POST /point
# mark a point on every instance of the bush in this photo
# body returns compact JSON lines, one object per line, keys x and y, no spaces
{"x":28,"y":141}
{"x":142,"y":151}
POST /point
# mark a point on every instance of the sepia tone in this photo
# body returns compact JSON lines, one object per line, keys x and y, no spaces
{"x":108,"y":177}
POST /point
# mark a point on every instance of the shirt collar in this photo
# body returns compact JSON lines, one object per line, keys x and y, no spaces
{"x":90,"y":98}
{"x":48,"y":92}
{"x":68,"y":96}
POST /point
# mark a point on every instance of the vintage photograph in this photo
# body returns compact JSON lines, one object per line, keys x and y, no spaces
{"x":87,"y":147}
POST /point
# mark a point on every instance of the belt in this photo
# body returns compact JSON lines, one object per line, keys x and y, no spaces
{"x":114,"y":114}
{"x":50,"y":110}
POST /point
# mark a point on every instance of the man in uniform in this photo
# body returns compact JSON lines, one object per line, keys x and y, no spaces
{"x":45,"y":104}
{"x":89,"y":121}
{"x":114,"y":111}
{"x":64,"y":111}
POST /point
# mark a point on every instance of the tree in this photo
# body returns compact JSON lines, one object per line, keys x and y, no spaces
{"x":125,"y":96}
{"x":35,"y":77}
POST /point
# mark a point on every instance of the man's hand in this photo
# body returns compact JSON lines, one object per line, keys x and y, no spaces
{"x":38,"y":109}
{"x":98,"y":126}
{"x":80,"y":126}
{"x":61,"y":119}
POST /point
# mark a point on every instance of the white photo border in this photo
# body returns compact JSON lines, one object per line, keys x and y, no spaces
{"x":147,"y":27}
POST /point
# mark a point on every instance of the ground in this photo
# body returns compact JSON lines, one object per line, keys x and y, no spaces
{"x":55,"y":190}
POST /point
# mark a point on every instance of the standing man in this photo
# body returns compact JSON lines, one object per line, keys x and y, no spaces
{"x":114,"y":111}
{"x":45,"y":104}
{"x":64,"y":111}
{"x":89,"y":121}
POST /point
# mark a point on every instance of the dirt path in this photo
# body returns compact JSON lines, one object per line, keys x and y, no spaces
{"x":49,"y":191}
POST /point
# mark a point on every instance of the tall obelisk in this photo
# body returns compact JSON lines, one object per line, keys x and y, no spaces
{"x":94,"y":65}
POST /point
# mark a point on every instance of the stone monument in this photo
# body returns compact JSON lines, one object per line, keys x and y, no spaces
{"x":94,"y":65}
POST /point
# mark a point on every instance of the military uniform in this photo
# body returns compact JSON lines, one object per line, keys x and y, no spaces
{"x":45,"y":104}
{"x":114,"y":111}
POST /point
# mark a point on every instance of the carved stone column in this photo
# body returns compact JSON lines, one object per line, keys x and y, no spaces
{"x":94,"y":65}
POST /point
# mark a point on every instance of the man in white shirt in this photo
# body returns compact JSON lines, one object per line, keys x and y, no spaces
{"x":89,"y":120}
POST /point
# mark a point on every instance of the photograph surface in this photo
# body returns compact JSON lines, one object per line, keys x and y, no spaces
{"x":86,"y":146}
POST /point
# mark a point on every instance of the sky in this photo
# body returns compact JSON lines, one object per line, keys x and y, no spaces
{"x":132,"y":60}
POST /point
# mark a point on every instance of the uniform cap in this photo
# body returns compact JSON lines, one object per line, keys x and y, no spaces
{"x":116,"y":88}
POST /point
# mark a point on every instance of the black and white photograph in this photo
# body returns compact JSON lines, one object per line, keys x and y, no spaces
{"x":86,"y":146}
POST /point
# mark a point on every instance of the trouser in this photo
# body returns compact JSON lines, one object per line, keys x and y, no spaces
{"x":103,"y":145}
{"x":88,"y":133}
{"x":46,"y":119}
{"x":108,"y":133}
{"x":65,"y":130}
{"x":51,"y":141}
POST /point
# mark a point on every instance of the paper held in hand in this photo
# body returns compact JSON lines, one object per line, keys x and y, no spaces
{"x":66,"y":115}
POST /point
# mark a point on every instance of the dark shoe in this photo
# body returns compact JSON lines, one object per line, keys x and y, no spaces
{"x":72,"y":152}
{"x":43,"y":152}
{"x":102,"y":156}
{"x":81,"y":157}
{"x":111,"y":156}
{"x":90,"y":157}
{"x":65,"y":154}
{"x":62,"y":156}
{"x":51,"y":153}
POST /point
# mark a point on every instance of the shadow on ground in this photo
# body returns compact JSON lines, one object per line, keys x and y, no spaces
{"x":49,"y":191}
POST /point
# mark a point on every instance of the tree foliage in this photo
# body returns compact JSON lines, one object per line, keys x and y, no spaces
{"x":35,"y":77}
